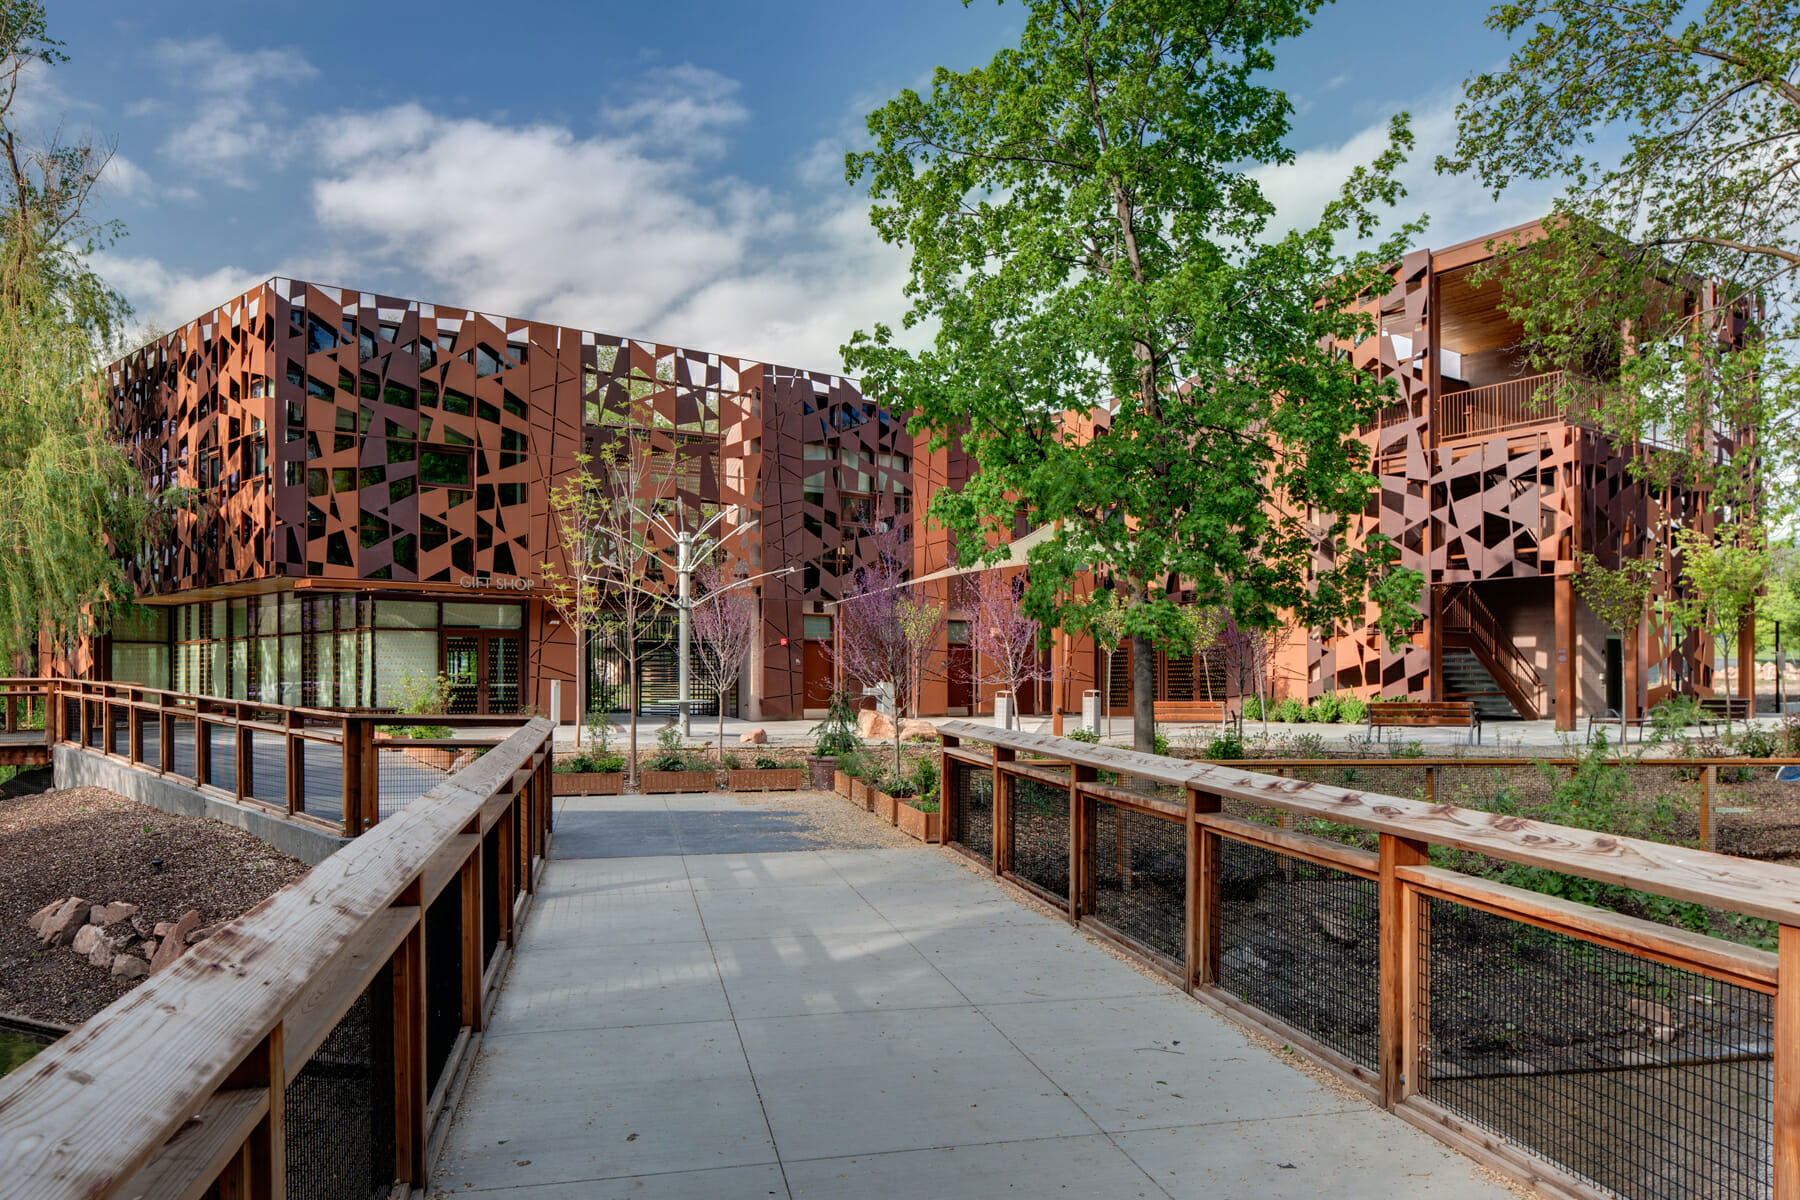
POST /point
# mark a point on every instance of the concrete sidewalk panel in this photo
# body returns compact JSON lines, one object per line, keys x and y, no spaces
{"x":1036,"y":959}
{"x":1076,"y":1168}
{"x":658,"y":983}
{"x":828,"y":973}
{"x":734,"y":913}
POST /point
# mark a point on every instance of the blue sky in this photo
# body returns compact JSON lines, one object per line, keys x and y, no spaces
{"x":670,"y":170}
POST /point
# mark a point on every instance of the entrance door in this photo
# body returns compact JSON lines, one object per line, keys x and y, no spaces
{"x":483,"y":669}
{"x":1615,"y":674}
{"x":960,"y":698}
{"x":815,"y":661}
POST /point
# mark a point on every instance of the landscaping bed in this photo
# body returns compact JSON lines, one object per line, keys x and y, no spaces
{"x":95,"y":844}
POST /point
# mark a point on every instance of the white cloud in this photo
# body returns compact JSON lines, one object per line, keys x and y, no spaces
{"x":627,"y":231}
{"x":164,"y":298}
{"x":125,"y":179}
{"x":684,"y":107}
{"x":237,"y":128}
{"x":1459,"y":208}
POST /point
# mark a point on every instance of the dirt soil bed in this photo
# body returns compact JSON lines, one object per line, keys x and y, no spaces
{"x":98,"y":845}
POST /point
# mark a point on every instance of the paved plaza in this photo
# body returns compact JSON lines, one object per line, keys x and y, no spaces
{"x":700,"y":1021}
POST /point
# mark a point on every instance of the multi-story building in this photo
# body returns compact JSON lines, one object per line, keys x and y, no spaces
{"x":367,"y":498}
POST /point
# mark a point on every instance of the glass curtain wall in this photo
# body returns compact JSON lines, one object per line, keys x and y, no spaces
{"x":335,"y":650}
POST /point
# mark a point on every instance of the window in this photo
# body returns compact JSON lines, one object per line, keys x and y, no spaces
{"x":815,"y":628}
{"x":957,"y":632}
{"x":445,"y":468}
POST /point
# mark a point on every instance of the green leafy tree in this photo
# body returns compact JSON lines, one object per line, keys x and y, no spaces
{"x":1103,"y":620}
{"x":1088,"y":236}
{"x":1722,"y":576}
{"x":1665,"y":283}
{"x":73,"y":508}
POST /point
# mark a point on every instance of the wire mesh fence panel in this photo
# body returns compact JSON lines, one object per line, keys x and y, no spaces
{"x":1038,"y":832}
{"x":1302,"y":942}
{"x":443,"y":980}
{"x":1140,"y":876}
{"x":403,"y":775}
{"x":339,"y":1116}
{"x":972,"y":810}
{"x":1647,"y":1080}
{"x":491,"y":900}
{"x":96,"y":715}
{"x":222,"y":751}
{"x":268,"y":767}
{"x":118,"y":731}
{"x":71,"y":718}
{"x":322,"y":780}
{"x":181,"y":759}
{"x":151,"y":732}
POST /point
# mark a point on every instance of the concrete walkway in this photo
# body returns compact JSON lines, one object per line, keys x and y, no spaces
{"x":873,"y":1023}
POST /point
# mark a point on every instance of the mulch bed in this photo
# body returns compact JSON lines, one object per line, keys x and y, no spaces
{"x":98,"y":845}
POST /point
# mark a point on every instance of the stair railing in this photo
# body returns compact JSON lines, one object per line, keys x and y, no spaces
{"x":1463,"y":612}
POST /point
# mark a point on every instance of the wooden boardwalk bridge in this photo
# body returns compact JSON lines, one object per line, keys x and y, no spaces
{"x":808,"y":1023}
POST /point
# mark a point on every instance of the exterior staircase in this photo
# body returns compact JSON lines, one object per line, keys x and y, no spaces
{"x":1482,"y":664}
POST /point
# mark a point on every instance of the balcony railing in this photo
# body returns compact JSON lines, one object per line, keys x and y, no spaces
{"x":1498,"y":406}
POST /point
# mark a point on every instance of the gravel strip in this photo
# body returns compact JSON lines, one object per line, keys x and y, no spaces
{"x":836,"y":823}
{"x":98,"y":845}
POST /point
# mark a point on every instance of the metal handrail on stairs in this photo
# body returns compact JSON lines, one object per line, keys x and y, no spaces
{"x":1465,"y":614}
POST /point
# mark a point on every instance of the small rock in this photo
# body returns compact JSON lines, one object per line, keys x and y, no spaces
{"x":143,"y":926}
{"x":161,"y":929}
{"x":171,"y":947}
{"x":86,"y":938}
{"x":61,"y":926}
{"x":148,"y":949}
{"x":103,"y":952}
{"x":1664,"y":1033}
{"x":129,"y":966}
{"x":1334,"y":926}
{"x":1650,"y":1010}
{"x":753,"y":737}
{"x":38,"y":918}
{"x":113,"y":913}
{"x":1243,"y":957}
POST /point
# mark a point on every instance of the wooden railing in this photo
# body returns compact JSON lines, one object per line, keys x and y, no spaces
{"x":1512,"y":404}
{"x":1466,"y":617}
{"x":369,"y":977}
{"x":1614,"y":1056}
{"x":336,"y":769}
{"x":22,"y":704}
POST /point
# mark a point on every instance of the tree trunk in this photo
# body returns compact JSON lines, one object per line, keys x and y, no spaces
{"x":631,"y":698}
{"x":1106,"y":694}
{"x":1143,"y":694}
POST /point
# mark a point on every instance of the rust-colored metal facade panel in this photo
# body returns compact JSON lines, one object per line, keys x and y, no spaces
{"x":332,"y":438}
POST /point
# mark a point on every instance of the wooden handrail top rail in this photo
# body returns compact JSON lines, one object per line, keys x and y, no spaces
{"x":148,"y":1061}
{"x":1695,"y":876}
{"x":1359,"y":764}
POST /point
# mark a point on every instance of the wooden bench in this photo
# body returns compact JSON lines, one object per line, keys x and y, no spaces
{"x":1421,"y":714}
{"x":1198,"y":712}
{"x":1732,"y":708}
{"x":1610,"y":717}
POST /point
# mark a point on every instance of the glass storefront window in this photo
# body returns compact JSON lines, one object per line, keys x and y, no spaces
{"x":290,"y":619}
{"x":290,"y":667}
{"x":406,"y":614}
{"x":404,"y":659}
{"x":240,"y":661}
{"x":484,"y":616}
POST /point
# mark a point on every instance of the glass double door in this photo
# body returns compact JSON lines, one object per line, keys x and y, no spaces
{"x":483,"y":669}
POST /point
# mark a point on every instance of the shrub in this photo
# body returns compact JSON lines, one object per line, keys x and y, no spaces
{"x":423,"y":731}
{"x":925,"y":777}
{"x":1406,"y":749}
{"x":1252,"y":708}
{"x":591,"y":761}
{"x":671,"y":755}
{"x":767,"y":762}
{"x":1159,"y":742}
{"x":853,"y":764}
{"x":1289,"y":711}
{"x":924,"y":804}
{"x":1351,"y":710}
{"x":1082,"y":735}
{"x":1226,"y":745}
{"x":733,"y":763}
{"x":836,"y":735}
{"x":1755,"y":743}
{"x":1674,"y":716}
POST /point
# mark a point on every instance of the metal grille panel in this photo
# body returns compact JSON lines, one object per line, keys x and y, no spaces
{"x":223,"y":762}
{"x":322,"y":778}
{"x":443,"y":980}
{"x":1140,"y":876}
{"x":1647,"y":1080}
{"x":972,"y":813}
{"x":1302,"y":942}
{"x":268,"y":767}
{"x":182,"y":758}
{"x":340,"y":1109}
{"x":1038,"y":829}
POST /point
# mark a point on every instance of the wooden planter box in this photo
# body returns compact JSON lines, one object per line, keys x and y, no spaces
{"x":677,"y":781}
{"x":840,"y":783}
{"x":765,"y":779}
{"x":861,"y":793}
{"x":922,"y":825}
{"x":588,"y":783}
{"x":882,"y":805}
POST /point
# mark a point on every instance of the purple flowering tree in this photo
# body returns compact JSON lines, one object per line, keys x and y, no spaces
{"x":726,"y":620}
{"x":888,"y":631}
{"x":1005,"y":639}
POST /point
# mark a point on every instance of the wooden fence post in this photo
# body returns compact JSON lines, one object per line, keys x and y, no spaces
{"x":262,"y":1167}
{"x":1082,"y":815}
{"x":503,"y":878}
{"x":1786,"y":1128}
{"x":409,"y":1044}
{"x":202,"y":747}
{"x":1709,"y":834}
{"x":294,"y":763}
{"x":165,"y":734}
{"x":1399,"y":961}
{"x":134,"y":734}
{"x":350,"y":744}
{"x":1002,"y":812}
{"x":369,"y":775}
{"x":240,"y":734}
{"x":471,"y":933}
{"x":1202,"y":918}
